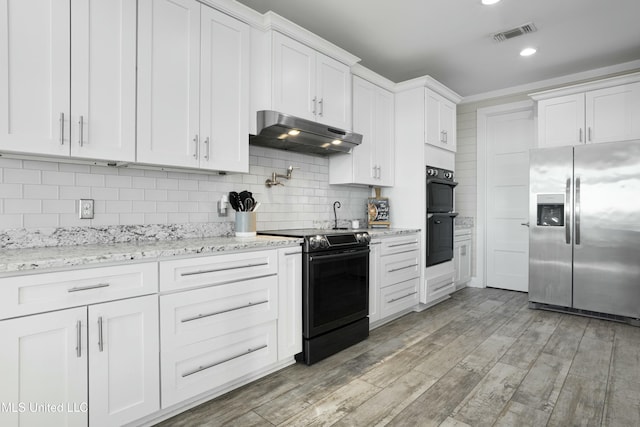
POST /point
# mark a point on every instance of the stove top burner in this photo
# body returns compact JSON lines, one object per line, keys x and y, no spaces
{"x":324,"y":239}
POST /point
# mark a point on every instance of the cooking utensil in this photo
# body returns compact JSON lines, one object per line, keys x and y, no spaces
{"x":234,"y":200}
{"x":249,"y":204}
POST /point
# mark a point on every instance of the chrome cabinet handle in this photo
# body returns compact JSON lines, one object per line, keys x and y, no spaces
{"x":203,"y":367}
{"x":79,"y":338}
{"x":206,"y":145}
{"x":195,"y":152}
{"x":81,"y":129}
{"x":589,"y":133}
{"x":402,"y":297}
{"x":61,"y":128}
{"x":402,"y":268}
{"x":567,"y":213}
{"x":213,"y":270}
{"x":526,"y":224}
{"x":315,"y":100}
{"x":293,"y":253}
{"x":580,"y":135}
{"x":446,"y":138}
{"x":100,"y":341}
{"x":86,"y":288}
{"x":577,"y":212}
{"x":402,"y":244}
{"x":215,"y":313}
{"x":321,"y":102}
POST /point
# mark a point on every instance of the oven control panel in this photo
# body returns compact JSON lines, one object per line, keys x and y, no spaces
{"x":434,"y":172}
{"x":342,"y":240}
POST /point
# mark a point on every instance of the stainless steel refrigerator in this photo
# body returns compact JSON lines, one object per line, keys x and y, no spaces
{"x":584,"y":228}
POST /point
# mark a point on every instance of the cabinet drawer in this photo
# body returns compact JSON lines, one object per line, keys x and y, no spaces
{"x":36,"y":293}
{"x":200,"y":314}
{"x":203,"y":366}
{"x":396,"y":245}
{"x":211,"y":270}
{"x":399,"y":267}
{"x":398,"y":297}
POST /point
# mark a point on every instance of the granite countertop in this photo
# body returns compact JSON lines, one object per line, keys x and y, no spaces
{"x":32,"y":259}
{"x":388,"y":232}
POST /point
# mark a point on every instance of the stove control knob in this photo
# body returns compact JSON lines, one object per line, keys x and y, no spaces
{"x":315,"y":242}
{"x":448,"y":175}
{"x":363,"y":238}
{"x":324,"y":243}
{"x":432,"y":172}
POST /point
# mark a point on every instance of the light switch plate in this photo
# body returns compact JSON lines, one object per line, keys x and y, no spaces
{"x":86,"y":208}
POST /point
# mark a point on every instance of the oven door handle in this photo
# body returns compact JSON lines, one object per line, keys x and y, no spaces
{"x":441,"y":181}
{"x":343,"y":255}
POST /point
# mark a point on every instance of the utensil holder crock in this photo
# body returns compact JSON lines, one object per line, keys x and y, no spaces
{"x":245,"y":224}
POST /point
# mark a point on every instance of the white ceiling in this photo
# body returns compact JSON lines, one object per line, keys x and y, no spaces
{"x":451,"y":40}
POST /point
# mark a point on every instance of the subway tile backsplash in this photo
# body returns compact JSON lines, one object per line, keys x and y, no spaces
{"x":43,"y":194}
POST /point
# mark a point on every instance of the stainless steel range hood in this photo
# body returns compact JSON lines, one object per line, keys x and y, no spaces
{"x":284,"y":132}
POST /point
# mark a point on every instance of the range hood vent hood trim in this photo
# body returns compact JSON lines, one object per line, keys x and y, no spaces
{"x":314,"y":138}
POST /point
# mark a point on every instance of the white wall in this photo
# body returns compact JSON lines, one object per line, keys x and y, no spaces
{"x":37,"y":194}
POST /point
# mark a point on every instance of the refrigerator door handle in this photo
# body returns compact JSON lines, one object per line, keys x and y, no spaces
{"x":577,"y":211}
{"x":567,"y":213}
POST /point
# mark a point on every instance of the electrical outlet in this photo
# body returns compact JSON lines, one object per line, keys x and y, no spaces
{"x":86,"y":208}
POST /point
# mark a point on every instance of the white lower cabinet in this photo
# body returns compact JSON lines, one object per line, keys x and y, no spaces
{"x":394,"y":277}
{"x":44,"y":361}
{"x":462,"y":256}
{"x":289,"y":302}
{"x":50,"y":360}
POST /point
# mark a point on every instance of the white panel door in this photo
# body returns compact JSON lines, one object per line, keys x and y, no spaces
{"x":294,"y":78}
{"x":34,"y":76}
{"x":613,"y":114}
{"x":333,"y":91}
{"x":224,"y":102}
{"x":44,"y":361}
{"x":168,"y":82}
{"x":124,"y":360}
{"x":289,"y":302}
{"x":103,"y":87}
{"x":510,"y":135}
{"x":384,"y":130}
{"x":364,"y":108}
{"x":561,"y":121}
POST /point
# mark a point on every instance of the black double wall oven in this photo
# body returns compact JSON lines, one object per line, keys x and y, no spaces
{"x":440,"y":215}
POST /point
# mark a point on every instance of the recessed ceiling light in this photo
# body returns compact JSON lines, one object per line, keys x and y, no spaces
{"x":528,"y":51}
{"x":294,"y":132}
{"x":489,"y":2}
{"x":336,"y":142}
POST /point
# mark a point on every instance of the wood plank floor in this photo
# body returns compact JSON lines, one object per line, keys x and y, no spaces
{"x":481,"y":358}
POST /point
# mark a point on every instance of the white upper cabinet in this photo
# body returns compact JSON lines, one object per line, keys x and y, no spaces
{"x":440,"y":121}
{"x":607,"y":113}
{"x":371,"y":162}
{"x":103,"y":79}
{"x":309,"y":84}
{"x":35,"y":88}
{"x":193,"y":79}
{"x":67,"y":85}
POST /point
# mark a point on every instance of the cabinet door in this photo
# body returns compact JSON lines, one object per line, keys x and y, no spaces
{"x":561,"y":121}
{"x":364,"y":122}
{"x":384,"y":131}
{"x":374,"y":282}
{"x":432,"y":120}
{"x":447,"y":113}
{"x":44,"y":361}
{"x":168,"y":82}
{"x":34,"y":76}
{"x":333,"y":92}
{"x":124,"y":362}
{"x":290,"y":302}
{"x":224,"y":98}
{"x":103,"y":85}
{"x":294,"y":78}
{"x":613,"y":114}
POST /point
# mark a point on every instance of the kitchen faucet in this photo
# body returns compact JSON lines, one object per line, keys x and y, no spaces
{"x":336,"y":204}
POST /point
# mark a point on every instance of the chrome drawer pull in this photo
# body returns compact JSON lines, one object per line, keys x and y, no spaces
{"x":100,"y":341}
{"x":202,"y":368}
{"x":402,"y":244}
{"x":79,"y":338}
{"x":215,"y":270}
{"x":86,"y":288}
{"x":215,"y":313}
{"x":402,"y":268}
{"x":402,"y":297}
{"x":293,"y":253}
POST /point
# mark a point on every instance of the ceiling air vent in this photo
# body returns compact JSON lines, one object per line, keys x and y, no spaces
{"x":515,"y":32}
